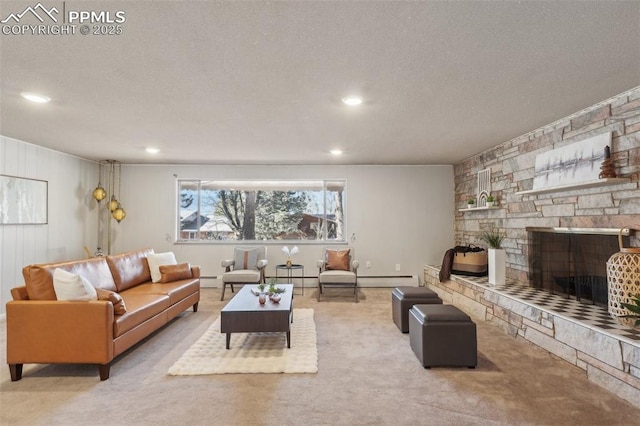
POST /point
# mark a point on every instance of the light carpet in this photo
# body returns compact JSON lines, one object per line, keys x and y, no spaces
{"x":253,"y":352}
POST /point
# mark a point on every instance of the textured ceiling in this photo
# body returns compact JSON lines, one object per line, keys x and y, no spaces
{"x":261,"y":82}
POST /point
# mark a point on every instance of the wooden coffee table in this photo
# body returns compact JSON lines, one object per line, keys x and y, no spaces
{"x":244,"y":314}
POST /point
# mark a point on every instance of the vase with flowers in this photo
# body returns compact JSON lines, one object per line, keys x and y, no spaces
{"x":290,"y":252}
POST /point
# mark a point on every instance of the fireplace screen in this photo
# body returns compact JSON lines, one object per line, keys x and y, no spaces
{"x":570,"y":263}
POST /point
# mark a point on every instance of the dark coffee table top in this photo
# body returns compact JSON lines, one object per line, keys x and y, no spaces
{"x":246,"y":301}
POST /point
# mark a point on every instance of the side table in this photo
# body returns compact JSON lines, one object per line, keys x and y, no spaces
{"x":289,"y":270}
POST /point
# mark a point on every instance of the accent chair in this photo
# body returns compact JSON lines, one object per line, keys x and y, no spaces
{"x":337,"y":268}
{"x":246,"y":267}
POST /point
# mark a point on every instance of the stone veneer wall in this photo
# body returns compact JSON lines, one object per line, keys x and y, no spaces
{"x":609,"y":361}
{"x":512,"y":170}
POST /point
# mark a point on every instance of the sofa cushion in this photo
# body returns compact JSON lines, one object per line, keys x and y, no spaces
{"x":169,"y":273}
{"x":241,"y":276}
{"x":140,"y":308}
{"x":130,"y":269}
{"x":69,"y":286}
{"x":338,"y":259}
{"x":39,"y":278}
{"x":116,"y":300}
{"x":156,"y":260}
{"x":337,"y":277}
{"x":176,"y":290}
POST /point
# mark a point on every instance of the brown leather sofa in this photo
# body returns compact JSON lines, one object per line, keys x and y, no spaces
{"x":44,"y":330}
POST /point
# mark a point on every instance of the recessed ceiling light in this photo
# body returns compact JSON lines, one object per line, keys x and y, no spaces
{"x":152,"y":150}
{"x":352,"y":100}
{"x":336,"y":152}
{"x":33,"y":97}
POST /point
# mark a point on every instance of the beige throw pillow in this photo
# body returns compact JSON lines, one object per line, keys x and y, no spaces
{"x":245,"y":259}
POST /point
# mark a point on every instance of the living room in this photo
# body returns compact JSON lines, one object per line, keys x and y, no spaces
{"x":400,"y":215}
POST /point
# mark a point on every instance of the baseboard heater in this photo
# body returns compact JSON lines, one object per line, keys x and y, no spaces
{"x":388,"y":281}
{"x":312,"y":281}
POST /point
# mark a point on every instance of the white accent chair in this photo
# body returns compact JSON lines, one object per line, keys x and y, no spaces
{"x":338,"y":269}
{"x":246,"y":267}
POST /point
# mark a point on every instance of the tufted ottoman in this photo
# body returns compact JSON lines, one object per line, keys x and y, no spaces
{"x":442,"y":335}
{"x":403,"y":298}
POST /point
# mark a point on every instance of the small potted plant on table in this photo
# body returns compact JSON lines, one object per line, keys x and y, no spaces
{"x":274,"y":291}
{"x":262,"y":297}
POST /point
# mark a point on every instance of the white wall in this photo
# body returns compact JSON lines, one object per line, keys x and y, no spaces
{"x":399,"y":214}
{"x":72,"y":216}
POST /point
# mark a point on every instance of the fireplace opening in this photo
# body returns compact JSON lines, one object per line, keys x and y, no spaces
{"x":573,"y":261}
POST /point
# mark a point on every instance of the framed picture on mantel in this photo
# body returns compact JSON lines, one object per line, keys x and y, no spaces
{"x":23,"y":201}
{"x":571,"y":164}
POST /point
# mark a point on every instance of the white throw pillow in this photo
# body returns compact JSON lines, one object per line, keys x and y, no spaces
{"x":156,"y":260}
{"x":70,"y":286}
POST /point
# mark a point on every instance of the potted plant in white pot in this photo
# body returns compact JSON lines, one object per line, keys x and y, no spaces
{"x":490,"y":201}
{"x":471,"y":202}
{"x":497,"y":256}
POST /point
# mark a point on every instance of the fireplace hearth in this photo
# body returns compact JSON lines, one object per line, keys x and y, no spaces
{"x":572,"y":261}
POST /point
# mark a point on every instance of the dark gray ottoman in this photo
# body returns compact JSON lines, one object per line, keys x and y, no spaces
{"x":403,"y":299}
{"x":442,"y":335}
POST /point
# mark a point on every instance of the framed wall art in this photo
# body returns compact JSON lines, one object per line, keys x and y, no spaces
{"x":23,"y":201}
{"x":572,"y":164}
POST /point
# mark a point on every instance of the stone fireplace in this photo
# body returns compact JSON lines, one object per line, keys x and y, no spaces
{"x":557,"y":324}
{"x":572,"y":261}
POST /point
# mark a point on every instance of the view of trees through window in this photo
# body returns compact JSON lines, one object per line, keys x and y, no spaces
{"x":261,"y":210}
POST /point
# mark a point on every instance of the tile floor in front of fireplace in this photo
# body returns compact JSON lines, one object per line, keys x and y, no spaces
{"x":592,"y":315}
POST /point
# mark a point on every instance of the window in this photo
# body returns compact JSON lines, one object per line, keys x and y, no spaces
{"x":261,"y":210}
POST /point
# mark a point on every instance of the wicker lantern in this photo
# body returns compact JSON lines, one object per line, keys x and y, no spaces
{"x":623,"y":276}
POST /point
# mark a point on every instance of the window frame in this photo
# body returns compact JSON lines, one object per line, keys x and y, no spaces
{"x":267,"y":184}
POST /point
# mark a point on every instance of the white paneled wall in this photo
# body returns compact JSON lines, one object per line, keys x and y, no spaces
{"x":72,"y":214}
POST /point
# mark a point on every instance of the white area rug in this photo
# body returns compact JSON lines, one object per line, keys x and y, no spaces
{"x":253,"y":352}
